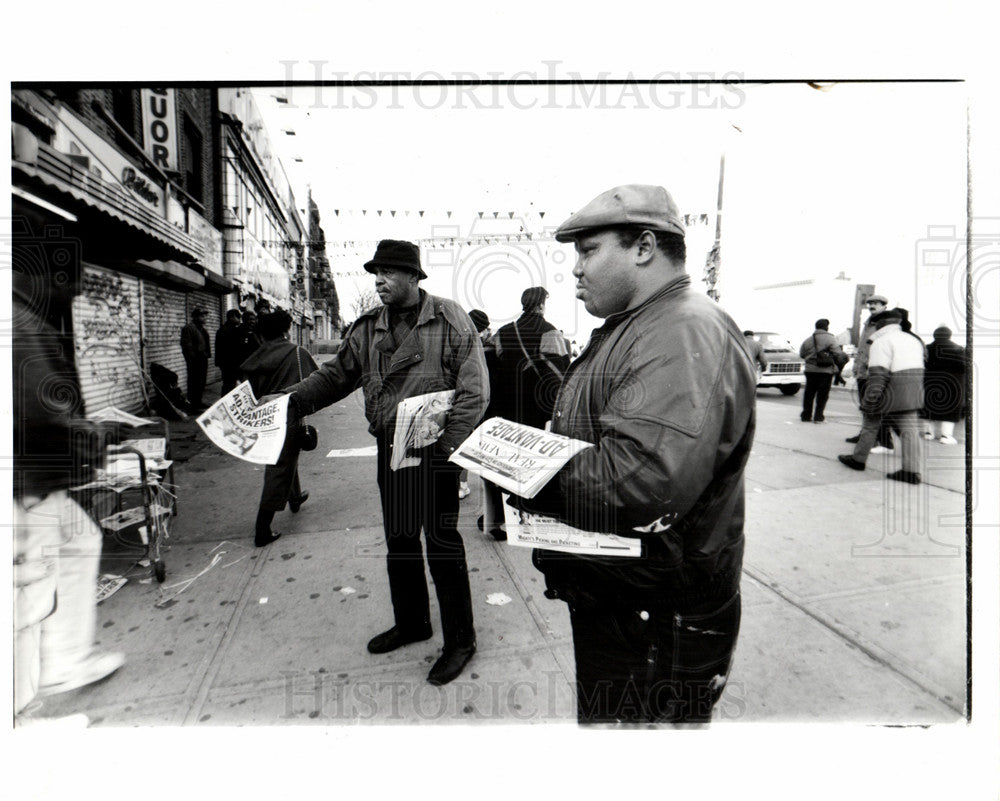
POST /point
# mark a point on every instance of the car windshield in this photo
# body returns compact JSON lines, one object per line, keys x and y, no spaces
{"x":772,"y":341}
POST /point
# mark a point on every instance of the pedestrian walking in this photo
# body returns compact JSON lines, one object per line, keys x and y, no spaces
{"x":249,"y":338}
{"x":875,"y":304}
{"x":492,"y":518}
{"x":414,"y":344}
{"x":944,"y":386}
{"x":275,"y":365}
{"x":228,"y":350}
{"x":196,"y":349}
{"x":756,"y":351}
{"x":57,"y":546}
{"x":824,"y":358}
{"x":481,"y":320}
{"x":893,"y":395}
{"x":665,"y":391}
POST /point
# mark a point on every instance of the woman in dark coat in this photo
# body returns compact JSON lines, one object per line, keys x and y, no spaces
{"x":944,"y":386}
{"x":277,"y":364}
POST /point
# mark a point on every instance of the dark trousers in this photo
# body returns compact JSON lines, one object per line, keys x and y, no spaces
{"x":818,"y":390}
{"x":281,"y":480}
{"x":646,"y":665}
{"x":884,"y":433}
{"x":197,"y":370}
{"x":425,"y":497}
{"x":230,"y":378}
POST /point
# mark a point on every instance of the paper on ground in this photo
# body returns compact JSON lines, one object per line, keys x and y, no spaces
{"x":244,"y":429}
{"x":518,"y":458}
{"x":108,"y":584}
{"x":497,"y":599}
{"x":371,"y":450}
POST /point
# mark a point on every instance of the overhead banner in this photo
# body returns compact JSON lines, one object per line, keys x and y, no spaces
{"x":159,"y":127}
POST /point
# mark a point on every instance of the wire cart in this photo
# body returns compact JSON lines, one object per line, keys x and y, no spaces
{"x":140,"y":476}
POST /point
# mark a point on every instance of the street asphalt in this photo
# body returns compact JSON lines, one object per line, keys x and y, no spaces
{"x":854,"y":598}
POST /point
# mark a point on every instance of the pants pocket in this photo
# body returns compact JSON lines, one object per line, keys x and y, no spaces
{"x":703,"y":643}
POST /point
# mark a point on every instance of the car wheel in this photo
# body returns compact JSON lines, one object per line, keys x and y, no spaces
{"x":789,"y":389}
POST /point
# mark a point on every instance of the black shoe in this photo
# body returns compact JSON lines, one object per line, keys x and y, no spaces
{"x":295,"y":503}
{"x":853,"y":440}
{"x":397,"y":637}
{"x":499,"y":534}
{"x":819,"y":419}
{"x":451,"y":663}
{"x":851,"y":462}
{"x":479,"y":522}
{"x":806,"y":419}
{"x":261,"y":540}
{"x":904,"y":475}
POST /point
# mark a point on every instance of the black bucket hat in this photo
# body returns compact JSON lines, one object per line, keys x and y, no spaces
{"x":398,"y":254}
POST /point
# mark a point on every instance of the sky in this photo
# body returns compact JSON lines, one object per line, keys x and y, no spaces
{"x":842,"y":181}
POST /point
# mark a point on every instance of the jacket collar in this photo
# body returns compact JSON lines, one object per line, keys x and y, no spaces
{"x":886,"y":329}
{"x":673,"y":287}
{"x":427,"y":312}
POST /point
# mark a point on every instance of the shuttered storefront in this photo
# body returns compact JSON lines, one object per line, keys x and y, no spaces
{"x":164,"y":313}
{"x":208,"y":301}
{"x":106,"y":339}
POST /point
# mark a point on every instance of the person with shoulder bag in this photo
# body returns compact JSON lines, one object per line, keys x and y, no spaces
{"x":275,"y":365}
{"x":824,"y":358}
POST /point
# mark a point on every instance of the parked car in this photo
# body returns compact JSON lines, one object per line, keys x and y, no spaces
{"x":784,"y":365}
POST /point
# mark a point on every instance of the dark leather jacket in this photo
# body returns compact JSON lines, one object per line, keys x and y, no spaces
{"x":666,"y":393}
{"x":443,"y":351}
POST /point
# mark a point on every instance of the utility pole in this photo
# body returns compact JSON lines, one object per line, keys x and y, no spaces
{"x":713,"y":263}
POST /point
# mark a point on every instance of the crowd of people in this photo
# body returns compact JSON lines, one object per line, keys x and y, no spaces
{"x":903,"y":386}
{"x":664,"y":392}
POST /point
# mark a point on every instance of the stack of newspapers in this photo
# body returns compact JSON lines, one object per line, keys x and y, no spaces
{"x":419,"y":422}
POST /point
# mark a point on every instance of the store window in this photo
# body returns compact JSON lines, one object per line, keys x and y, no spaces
{"x":123,"y":108}
{"x":193,"y":171}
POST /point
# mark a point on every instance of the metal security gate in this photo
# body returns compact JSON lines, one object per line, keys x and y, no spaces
{"x":164,"y":314}
{"x":106,"y":340}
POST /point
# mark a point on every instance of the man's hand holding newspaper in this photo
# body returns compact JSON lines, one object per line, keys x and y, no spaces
{"x":522,"y":460}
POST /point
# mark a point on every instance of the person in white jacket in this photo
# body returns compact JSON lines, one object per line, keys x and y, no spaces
{"x":893,"y":395}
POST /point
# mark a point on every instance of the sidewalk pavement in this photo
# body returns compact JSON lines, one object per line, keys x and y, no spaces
{"x":853,"y":598}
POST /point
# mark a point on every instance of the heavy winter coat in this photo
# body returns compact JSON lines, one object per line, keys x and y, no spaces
{"x":275,"y":365}
{"x":944,"y":380}
{"x":441,"y":352}
{"x":895,"y":372}
{"x":530,"y":378}
{"x":820,"y":340}
{"x":666,"y":393}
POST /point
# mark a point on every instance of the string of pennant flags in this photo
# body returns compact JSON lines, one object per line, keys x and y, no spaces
{"x":450,"y":239}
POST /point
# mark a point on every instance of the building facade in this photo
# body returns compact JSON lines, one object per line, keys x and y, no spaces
{"x":134,"y":206}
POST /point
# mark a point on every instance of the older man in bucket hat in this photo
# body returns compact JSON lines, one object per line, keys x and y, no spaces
{"x":665,"y":392}
{"x":414,"y":344}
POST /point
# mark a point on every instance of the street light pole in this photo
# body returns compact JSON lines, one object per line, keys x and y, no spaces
{"x":713,"y":263}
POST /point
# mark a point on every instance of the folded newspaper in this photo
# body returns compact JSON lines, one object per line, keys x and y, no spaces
{"x":536,"y":531}
{"x":241,"y":427}
{"x":419,"y":422}
{"x":518,"y":458}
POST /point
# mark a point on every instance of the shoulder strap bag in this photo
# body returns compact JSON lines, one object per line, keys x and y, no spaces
{"x":541,"y":356}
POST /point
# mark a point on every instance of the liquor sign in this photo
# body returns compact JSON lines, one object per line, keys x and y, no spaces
{"x":159,"y":127}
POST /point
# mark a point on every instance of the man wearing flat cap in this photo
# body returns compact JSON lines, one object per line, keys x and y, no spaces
{"x":876,"y":304}
{"x":665,"y":392}
{"x":196,"y":349}
{"x":414,"y":344}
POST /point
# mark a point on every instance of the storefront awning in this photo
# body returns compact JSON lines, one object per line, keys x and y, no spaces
{"x":174,"y":273}
{"x":55,"y":171}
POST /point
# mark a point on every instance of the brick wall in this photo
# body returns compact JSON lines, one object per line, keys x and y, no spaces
{"x":196,"y":105}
